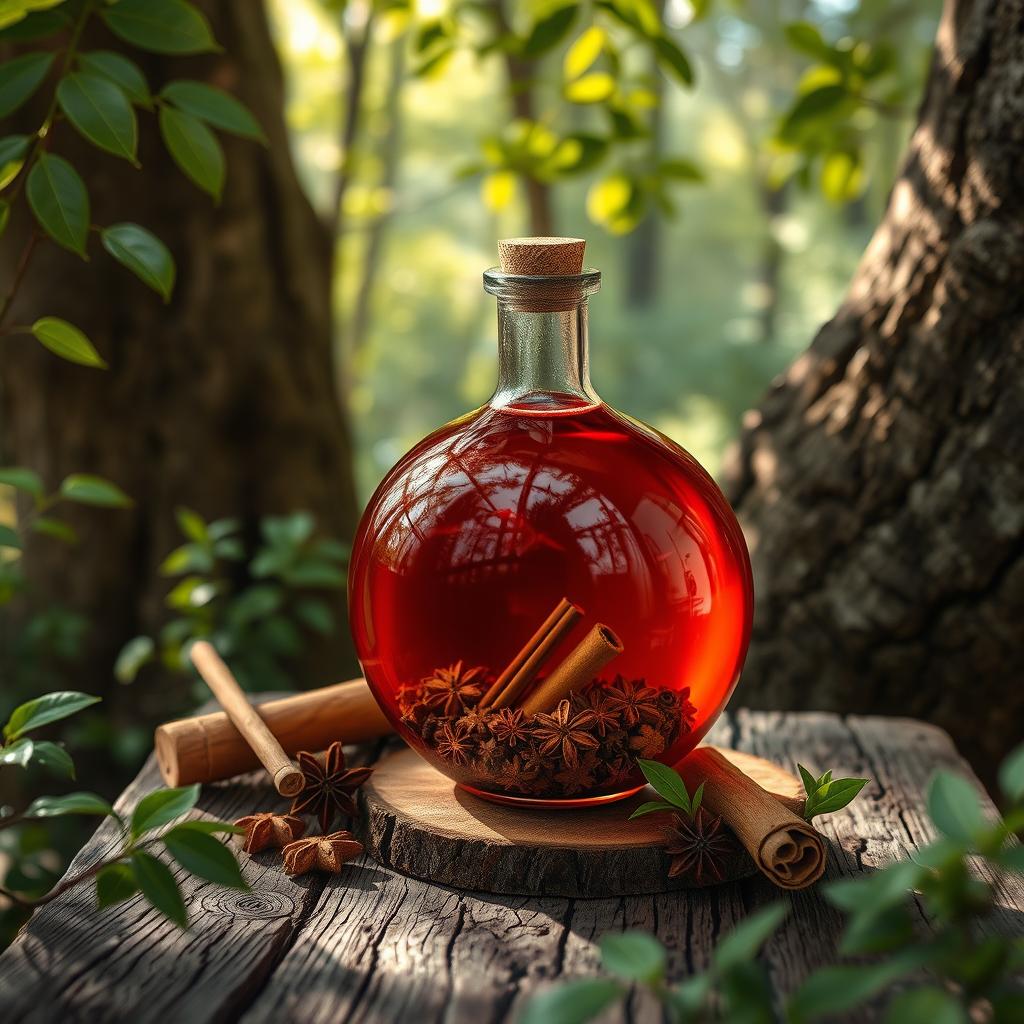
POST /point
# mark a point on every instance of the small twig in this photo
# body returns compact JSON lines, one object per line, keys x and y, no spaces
{"x":19,"y":274}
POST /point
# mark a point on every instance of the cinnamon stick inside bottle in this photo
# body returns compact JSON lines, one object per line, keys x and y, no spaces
{"x":523,"y":668}
{"x":580,"y":666}
{"x":783,"y":846}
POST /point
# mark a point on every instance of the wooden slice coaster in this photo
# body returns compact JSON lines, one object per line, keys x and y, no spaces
{"x":419,"y":822}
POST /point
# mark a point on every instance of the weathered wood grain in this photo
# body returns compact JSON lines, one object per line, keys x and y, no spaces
{"x":374,"y":945}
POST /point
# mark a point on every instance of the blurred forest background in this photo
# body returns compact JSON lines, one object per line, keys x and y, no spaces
{"x":727,"y":160}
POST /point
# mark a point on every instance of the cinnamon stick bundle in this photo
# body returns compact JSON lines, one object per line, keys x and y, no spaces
{"x":783,"y":846}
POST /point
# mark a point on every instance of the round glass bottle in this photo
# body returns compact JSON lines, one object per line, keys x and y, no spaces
{"x":547,"y":498}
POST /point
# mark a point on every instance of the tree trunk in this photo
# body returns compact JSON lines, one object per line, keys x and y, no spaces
{"x":880,"y":482}
{"x":223,"y":400}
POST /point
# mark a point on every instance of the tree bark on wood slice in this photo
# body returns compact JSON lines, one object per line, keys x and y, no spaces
{"x":417,"y":821}
{"x":222,"y":400}
{"x":880,"y":483}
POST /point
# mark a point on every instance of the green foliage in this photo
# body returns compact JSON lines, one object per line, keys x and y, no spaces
{"x":961,"y":968}
{"x":60,"y":202}
{"x":67,"y":341}
{"x":143,"y":254}
{"x":257,"y":624}
{"x":195,"y":150}
{"x":669,"y":785}
{"x":825,"y":794}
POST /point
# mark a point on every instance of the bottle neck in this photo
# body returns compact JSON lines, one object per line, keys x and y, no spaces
{"x":543,"y":362}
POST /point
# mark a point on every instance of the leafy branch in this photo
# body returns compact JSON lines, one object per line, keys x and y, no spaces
{"x":98,"y":92}
{"x":825,"y":794}
{"x":131,"y":868}
{"x":954,"y":966}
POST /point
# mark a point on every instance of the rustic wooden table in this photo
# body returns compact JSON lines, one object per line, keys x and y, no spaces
{"x":373,"y":945}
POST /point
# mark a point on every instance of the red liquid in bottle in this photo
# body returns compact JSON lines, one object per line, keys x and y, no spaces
{"x":487,"y":523}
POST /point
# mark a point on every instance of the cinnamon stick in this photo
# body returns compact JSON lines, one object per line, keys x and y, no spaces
{"x":783,"y":846}
{"x":207,"y":748}
{"x":287,"y":779}
{"x":523,"y":668}
{"x":580,"y":666}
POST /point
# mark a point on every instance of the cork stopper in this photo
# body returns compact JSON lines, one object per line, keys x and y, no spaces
{"x":542,"y":257}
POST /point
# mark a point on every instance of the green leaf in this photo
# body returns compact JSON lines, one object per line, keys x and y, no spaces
{"x":877,"y":891}
{"x":651,"y":807}
{"x":159,"y":887}
{"x":578,"y":153}
{"x":161,"y":26}
{"x":67,"y":341}
{"x":22,"y":480}
{"x":50,"y":527}
{"x":101,"y":113}
{"x":667,"y":783}
{"x":1011,"y":771}
{"x":137,"y":652}
{"x":842,"y":176}
{"x":671,"y":58}
{"x":60,"y":202}
{"x":592,"y":88}
{"x":20,"y":77}
{"x":812,"y":106}
{"x":832,"y":796}
{"x":573,"y":1002}
{"x":192,"y":525}
{"x":164,"y":805}
{"x":929,"y":1005}
{"x":204,"y":856}
{"x":679,"y":169}
{"x":634,"y":956}
{"x":51,"y":707}
{"x":118,"y":69}
{"x":877,"y":931}
{"x":809,"y":781}
{"x":215,"y":107}
{"x":5,"y":215}
{"x":548,"y":31}
{"x":51,"y":756}
{"x":87,"y":489}
{"x":835,"y":990}
{"x":743,"y":942}
{"x":9,"y":537}
{"x":70,"y":803}
{"x":13,"y":149}
{"x":115,"y":884}
{"x":143,"y":254}
{"x":954,"y":808}
{"x":583,"y":52}
{"x":697,"y":799}
{"x":806,"y":38}
{"x":195,"y":149}
{"x":16,"y":27}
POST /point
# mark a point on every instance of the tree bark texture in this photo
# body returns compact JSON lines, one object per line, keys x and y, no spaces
{"x":881,"y":482}
{"x":222,"y":400}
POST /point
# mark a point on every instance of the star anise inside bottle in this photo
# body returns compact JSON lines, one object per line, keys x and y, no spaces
{"x":634,"y":700}
{"x":266,"y":829}
{"x":451,"y":690}
{"x":698,"y":847}
{"x":321,"y":853}
{"x":566,"y":730}
{"x":329,"y":785}
{"x":453,"y":743}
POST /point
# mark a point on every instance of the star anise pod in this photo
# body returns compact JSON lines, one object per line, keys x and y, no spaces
{"x":579,"y":776}
{"x":698,"y":847}
{"x":606,"y":715}
{"x":533,"y":763}
{"x":266,"y":829}
{"x":648,"y":742}
{"x":634,"y":700}
{"x":321,"y":853}
{"x":453,"y":743}
{"x":474,"y":721}
{"x":329,"y":785}
{"x":509,"y":726}
{"x":451,"y":690}
{"x":566,"y":730}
